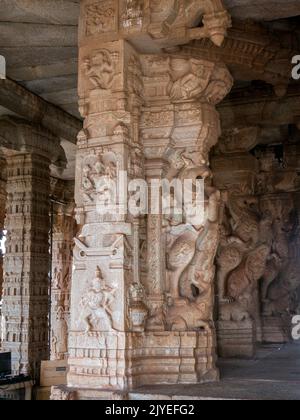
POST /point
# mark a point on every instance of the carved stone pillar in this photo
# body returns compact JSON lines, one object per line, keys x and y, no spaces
{"x":243,"y":251}
{"x":156,"y":263}
{"x":2,"y":215}
{"x":179,"y":127}
{"x":139,"y":107}
{"x":63,"y":231}
{"x":2,"y":220}
{"x":257,"y":272}
{"x":26,"y":263}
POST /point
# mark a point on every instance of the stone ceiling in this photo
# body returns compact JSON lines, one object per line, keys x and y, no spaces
{"x":39,"y":40}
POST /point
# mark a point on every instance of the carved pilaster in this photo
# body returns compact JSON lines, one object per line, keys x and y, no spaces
{"x":63,"y":231}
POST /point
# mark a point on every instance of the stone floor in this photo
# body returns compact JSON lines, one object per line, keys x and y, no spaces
{"x":273,"y":375}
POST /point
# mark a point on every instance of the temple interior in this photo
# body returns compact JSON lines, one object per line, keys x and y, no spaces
{"x":124,"y":305}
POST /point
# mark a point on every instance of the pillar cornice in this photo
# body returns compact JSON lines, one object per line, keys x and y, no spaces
{"x":20,"y":136}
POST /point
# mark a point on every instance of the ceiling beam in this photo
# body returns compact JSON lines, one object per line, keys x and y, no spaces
{"x":35,"y":109}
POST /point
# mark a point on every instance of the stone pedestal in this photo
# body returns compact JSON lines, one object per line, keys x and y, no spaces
{"x":236,"y":340}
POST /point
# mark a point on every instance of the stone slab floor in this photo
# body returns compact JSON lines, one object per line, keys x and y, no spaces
{"x":273,"y":375}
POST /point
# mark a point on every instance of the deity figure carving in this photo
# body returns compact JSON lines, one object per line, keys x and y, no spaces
{"x":96,"y":304}
{"x":97,"y":173}
{"x":100,"y":70}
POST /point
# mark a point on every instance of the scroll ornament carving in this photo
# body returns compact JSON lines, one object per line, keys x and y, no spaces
{"x":96,"y":311}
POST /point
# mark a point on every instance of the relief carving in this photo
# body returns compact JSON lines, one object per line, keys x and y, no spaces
{"x":101,"y":17}
{"x":100,"y":69}
{"x":96,"y":314}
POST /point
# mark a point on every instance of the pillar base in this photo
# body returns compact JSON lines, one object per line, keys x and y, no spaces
{"x":236,"y":339}
{"x":124,"y":361}
{"x":276,"y":330}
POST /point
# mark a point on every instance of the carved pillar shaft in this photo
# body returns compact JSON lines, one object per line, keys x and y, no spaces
{"x":26,"y":263}
{"x":156,"y":263}
{"x":132,"y":97}
{"x":2,"y":216}
{"x":63,"y":232}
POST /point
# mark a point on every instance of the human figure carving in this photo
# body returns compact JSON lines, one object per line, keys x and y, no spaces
{"x":100,"y":70}
{"x":96,"y":304}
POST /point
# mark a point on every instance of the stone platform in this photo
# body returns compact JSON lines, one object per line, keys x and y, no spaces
{"x":273,"y":375}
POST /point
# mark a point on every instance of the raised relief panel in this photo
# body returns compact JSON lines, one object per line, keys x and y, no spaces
{"x":101,"y":17}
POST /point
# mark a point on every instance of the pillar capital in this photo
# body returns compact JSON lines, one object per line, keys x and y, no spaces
{"x":160,"y":25}
{"x":20,"y":136}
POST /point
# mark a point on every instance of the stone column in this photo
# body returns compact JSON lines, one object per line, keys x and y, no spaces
{"x":2,"y":219}
{"x":257,"y":272}
{"x":156,"y":263}
{"x":63,"y":231}
{"x":2,"y":214}
{"x":27,"y":260}
{"x":120,"y":335}
{"x":242,"y":252}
